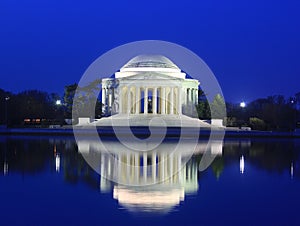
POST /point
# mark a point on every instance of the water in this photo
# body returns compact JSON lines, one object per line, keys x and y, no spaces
{"x":47,"y":181}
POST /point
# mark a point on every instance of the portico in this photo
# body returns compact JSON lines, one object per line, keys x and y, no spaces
{"x":149,"y":85}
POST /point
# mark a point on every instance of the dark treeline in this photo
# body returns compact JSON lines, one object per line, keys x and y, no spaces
{"x":34,"y":107}
{"x":31,"y":104}
{"x":271,"y":113}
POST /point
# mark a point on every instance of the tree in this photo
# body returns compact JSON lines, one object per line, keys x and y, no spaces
{"x":68,"y":99}
{"x":202,"y":107}
{"x":31,"y":104}
{"x":218,"y":107}
{"x":87,"y":103}
{"x":257,"y":124}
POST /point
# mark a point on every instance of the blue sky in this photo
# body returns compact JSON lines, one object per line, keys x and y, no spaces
{"x":251,"y":46}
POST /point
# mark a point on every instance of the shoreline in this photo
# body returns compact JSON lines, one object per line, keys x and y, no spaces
{"x":145,"y":132}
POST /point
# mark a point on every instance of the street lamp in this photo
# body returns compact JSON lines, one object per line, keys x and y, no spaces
{"x":6,"y":117}
{"x":242,"y":104}
{"x":58,"y":102}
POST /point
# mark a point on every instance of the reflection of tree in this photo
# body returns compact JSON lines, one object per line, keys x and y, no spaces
{"x":218,"y":166}
{"x":77,"y":170}
{"x":273,"y":156}
{"x":25,"y":155}
{"x":32,"y":155}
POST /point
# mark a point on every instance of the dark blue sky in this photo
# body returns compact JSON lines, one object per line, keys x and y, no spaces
{"x":251,"y":46}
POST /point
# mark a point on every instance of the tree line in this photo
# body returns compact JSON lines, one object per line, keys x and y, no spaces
{"x":270,"y":113}
{"x":275,"y":113}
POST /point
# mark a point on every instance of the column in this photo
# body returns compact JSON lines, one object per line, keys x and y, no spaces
{"x":104,"y":100}
{"x":187,"y":97}
{"x":120,"y":100}
{"x":137,"y":100}
{"x":171,"y":100}
{"x":145,"y":166}
{"x":163,"y":100}
{"x":146,"y":100}
{"x":154,"y":98}
{"x":128,"y":100}
{"x":103,"y":96}
{"x":109,"y":97}
{"x":196,"y":96}
{"x":179,"y":108}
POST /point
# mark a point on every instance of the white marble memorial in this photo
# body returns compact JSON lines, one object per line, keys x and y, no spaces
{"x":147,"y":87}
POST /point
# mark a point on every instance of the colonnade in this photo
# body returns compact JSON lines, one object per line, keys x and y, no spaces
{"x":191,"y":96}
{"x":108,"y":96}
{"x":150,"y":100}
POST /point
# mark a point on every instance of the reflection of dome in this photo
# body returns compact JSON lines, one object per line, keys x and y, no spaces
{"x":150,"y":62}
{"x":143,"y":200}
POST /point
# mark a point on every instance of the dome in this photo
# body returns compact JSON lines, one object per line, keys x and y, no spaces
{"x":150,"y":61}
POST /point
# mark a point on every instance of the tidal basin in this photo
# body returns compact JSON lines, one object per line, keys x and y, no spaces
{"x":48,"y":181}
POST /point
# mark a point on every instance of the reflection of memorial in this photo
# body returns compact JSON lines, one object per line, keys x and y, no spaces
{"x":155,"y":180}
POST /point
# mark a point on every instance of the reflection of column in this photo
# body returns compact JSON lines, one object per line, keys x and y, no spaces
{"x":154,"y":97}
{"x":128,"y":100}
{"x":154,"y":167}
{"x":146,"y":100}
{"x":179,"y":167}
{"x":163,"y":100}
{"x":171,"y":158}
{"x":137,"y":100}
{"x":128,"y":167}
{"x":172,"y":101}
{"x":145,"y":166}
{"x":136,"y":167}
{"x":119,"y":176}
{"x":179,"y":101}
{"x":162,"y":167}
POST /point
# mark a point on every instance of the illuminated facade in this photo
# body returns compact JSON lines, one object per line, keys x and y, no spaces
{"x":149,"y":84}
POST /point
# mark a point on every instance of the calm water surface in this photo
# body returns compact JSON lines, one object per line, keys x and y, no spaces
{"x":47,"y":181}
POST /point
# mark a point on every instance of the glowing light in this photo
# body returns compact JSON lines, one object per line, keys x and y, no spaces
{"x":57,"y":163}
{"x":58,"y":102}
{"x":5,"y":168}
{"x":242,"y":104}
{"x":242,"y":164}
{"x":292,"y":170}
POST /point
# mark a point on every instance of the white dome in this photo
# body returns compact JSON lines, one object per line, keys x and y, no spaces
{"x":150,"y":61}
